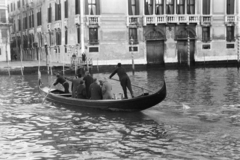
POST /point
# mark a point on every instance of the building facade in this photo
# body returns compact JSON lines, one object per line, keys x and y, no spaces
{"x":111,"y":31}
{"x":4,"y":32}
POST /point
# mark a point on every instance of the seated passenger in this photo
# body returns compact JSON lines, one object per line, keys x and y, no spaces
{"x":95,"y":90}
{"x":106,"y":88}
{"x":81,"y":90}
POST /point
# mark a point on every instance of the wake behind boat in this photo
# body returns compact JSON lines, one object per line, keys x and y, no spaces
{"x":139,"y":103}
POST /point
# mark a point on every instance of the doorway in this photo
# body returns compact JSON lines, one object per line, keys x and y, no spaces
{"x":182,"y":52}
{"x":155,"y":52}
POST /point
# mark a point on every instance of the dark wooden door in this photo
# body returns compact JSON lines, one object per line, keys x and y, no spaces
{"x":182,"y":47}
{"x":155,"y":52}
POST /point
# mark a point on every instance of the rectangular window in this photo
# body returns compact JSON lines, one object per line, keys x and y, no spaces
{"x":230,"y":6}
{"x":32,"y":19}
{"x":92,"y":7}
{"x":205,"y":34}
{"x":230,"y":33}
{"x":181,"y":7}
{"x":206,"y":46}
{"x":93,"y":35}
{"x":49,"y":13}
{"x":19,"y":24}
{"x":3,"y":18}
{"x":77,"y":7}
{"x":66,"y":8}
{"x":57,"y":11}
{"x":170,"y":6}
{"x":39,"y":17}
{"x":133,"y":7}
{"x":206,"y":7}
{"x":78,"y":35}
{"x":159,"y":7}
{"x":148,"y":7}
{"x":230,"y":46}
{"x":93,"y":49}
{"x":190,"y":6}
{"x":133,"y":36}
{"x":66,"y":36}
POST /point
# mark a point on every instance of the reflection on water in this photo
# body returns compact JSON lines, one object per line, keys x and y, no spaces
{"x":199,"y":119}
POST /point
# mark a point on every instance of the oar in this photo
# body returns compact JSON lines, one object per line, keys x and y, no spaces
{"x":47,"y":93}
{"x":134,"y":85}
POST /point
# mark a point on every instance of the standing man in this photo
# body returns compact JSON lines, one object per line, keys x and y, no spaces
{"x":88,"y":81}
{"x":124,"y":80}
{"x":62,"y":81}
{"x":95,"y":90}
{"x":75,"y":83}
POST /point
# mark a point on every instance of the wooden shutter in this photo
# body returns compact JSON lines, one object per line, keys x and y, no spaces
{"x":56,"y":11}
{"x":206,"y":7}
{"x":137,"y":7}
{"x":66,"y":9}
{"x":230,"y":6}
{"x":130,"y":8}
{"x":86,"y":7}
{"x":59,"y":11}
{"x":97,"y":7}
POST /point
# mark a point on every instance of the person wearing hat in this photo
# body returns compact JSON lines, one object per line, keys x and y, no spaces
{"x":95,"y":91}
{"x":124,"y":80}
{"x":88,"y":81}
{"x":75,"y":83}
{"x":62,"y":81}
{"x":106,"y":88}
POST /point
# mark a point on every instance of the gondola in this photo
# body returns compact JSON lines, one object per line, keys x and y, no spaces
{"x":138,"y":103}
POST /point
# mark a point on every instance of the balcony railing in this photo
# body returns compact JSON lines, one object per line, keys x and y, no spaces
{"x":162,"y":19}
{"x":133,"y":20}
{"x":93,"y":20}
{"x":230,"y":19}
{"x":206,"y":19}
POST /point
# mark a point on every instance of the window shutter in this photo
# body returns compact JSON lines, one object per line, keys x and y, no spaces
{"x":59,"y":11}
{"x":206,"y":7}
{"x":86,"y":7}
{"x":137,"y":7}
{"x":130,"y":8}
{"x":66,"y":9}
{"x":231,"y":6}
{"x":97,"y":7}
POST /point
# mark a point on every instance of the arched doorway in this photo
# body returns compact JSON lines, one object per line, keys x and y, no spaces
{"x":155,"y":46}
{"x":183,"y":45}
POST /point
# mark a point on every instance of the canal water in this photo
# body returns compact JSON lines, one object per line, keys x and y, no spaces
{"x":198,"y":120}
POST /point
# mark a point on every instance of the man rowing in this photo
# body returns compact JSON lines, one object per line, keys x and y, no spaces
{"x":124,"y":80}
{"x":62,"y":81}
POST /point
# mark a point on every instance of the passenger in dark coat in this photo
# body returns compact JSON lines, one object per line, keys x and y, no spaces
{"x":124,"y":80}
{"x":88,"y":81}
{"x":62,"y":81}
{"x":81,"y":90}
{"x":95,"y":91}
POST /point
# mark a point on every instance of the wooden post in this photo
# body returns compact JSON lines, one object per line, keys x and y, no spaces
{"x":189,"y":63}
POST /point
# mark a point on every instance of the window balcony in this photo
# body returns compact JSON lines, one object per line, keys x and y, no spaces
{"x":93,"y":20}
{"x":154,"y":19}
{"x":133,"y":20}
{"x":206,"y":20}
{"x":230,"y":19}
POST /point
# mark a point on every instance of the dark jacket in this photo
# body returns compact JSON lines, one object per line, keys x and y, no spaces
{"x":88,"y":81}
{"x":120,"y":72}
{"x":95,"y":91}
{"x":81,"y":91}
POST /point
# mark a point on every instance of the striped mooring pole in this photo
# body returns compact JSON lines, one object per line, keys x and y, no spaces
{"x":188,"y":49}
